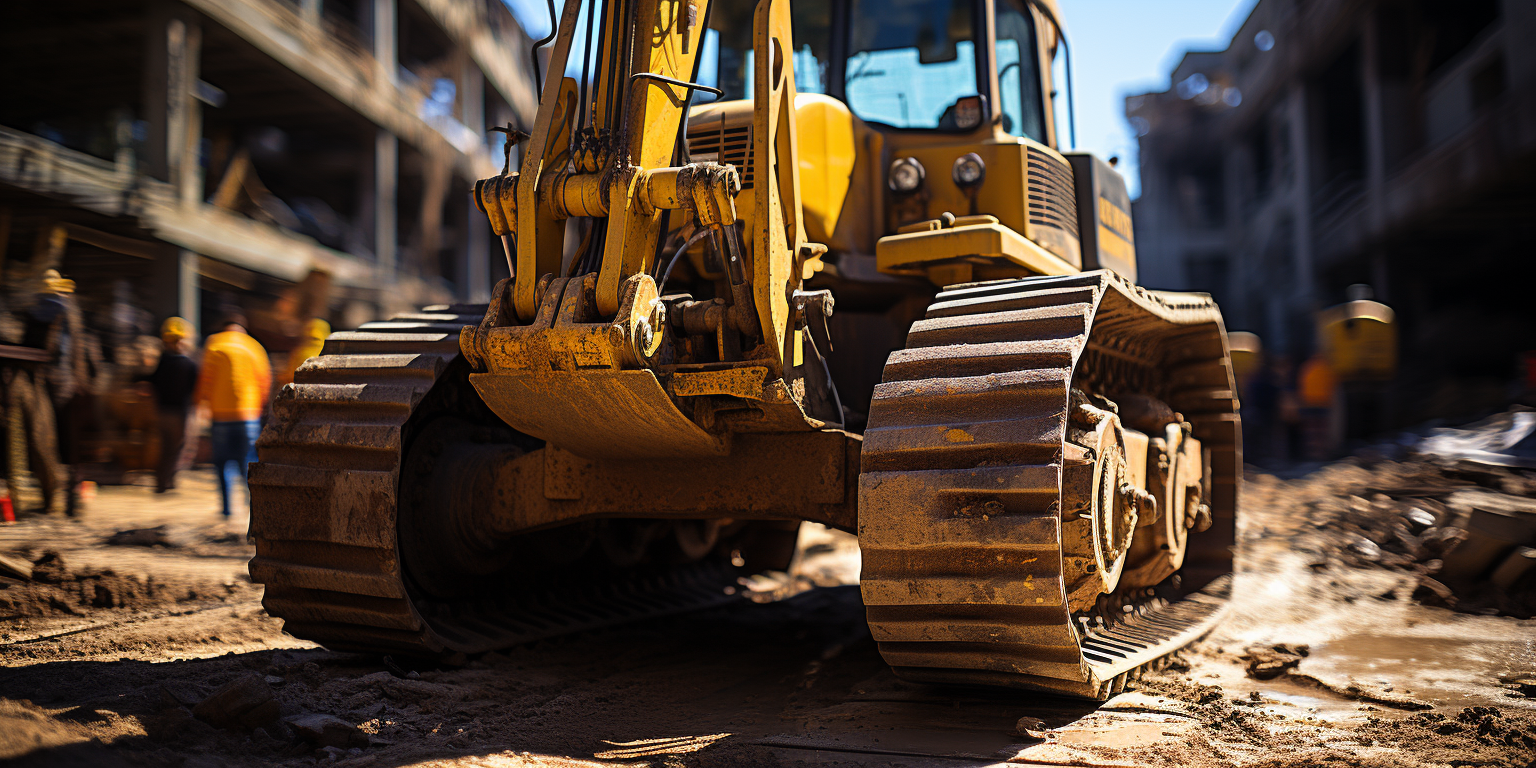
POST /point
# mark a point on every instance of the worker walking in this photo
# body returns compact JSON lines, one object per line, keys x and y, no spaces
{"x":233,"y":385}
{"x":174,"y":381}
{"x":1317,"y":387}
{"x":32,"y":391}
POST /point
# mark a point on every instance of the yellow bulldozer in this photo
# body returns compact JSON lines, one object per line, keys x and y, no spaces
{"x":774,"y":264}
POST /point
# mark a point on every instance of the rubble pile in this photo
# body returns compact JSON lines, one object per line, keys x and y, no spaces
{"x":1463,"y":521}
{"x":43,"y":585}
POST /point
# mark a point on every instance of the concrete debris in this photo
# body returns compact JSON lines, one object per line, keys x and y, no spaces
{"x":1466,"y":533}
{"x":158,"y":536}
{"x":1033,"y":728}
{"x":15,"y":567}
{"x":1419,"y":520}
{"x":1505,"y":440}
{"x":1269,"y":662}
{"x":50,"y":569}
{"x":180,"y":694}
{"x":1433,"y":592}
{"x":245,"y":702}
{"x":172,"y":722}
{"x":325,"y":731}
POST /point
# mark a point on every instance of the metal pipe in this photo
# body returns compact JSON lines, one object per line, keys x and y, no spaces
{"x":554,"y":29}
{"x":674,"y":81}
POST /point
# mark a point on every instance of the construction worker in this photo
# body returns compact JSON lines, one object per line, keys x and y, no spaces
{"x":309,"y":346}
{"x":1317,"y":386}
{"x":174,"y":381}
{"x":233,"y":385}
{"x":51,"y":320}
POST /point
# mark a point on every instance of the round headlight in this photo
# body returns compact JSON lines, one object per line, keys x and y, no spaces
{"x":969,"y":170}
{"x":906,"y":175}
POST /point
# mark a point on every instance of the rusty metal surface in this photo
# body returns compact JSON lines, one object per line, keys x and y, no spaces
{"x":791,"y":476}
{"x":597,"y":413}
{"x":960,"y":514}
{"x":326,"y":500}
{"x":324,"y":492}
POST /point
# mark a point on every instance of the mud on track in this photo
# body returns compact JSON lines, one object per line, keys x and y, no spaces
{"x":792,"y":681}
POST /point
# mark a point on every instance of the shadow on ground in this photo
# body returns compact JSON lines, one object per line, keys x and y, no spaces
{"x":710,"y":685}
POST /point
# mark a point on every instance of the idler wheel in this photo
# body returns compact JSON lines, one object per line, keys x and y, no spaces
{"x":1098,"y":514}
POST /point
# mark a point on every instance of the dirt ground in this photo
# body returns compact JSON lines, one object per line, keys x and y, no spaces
{"x":109,"y":655}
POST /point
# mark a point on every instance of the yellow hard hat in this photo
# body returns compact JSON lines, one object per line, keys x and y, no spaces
{"x":56,"y":283}
{"x":175,"y":329}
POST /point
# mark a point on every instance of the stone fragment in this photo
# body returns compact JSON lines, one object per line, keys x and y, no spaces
{"x":245,"y":702}
{"x":168,"y":724}
{"x":326,"y":731}
{"x":1419,"y":520}
{"x":1269,"y":662}
{"x":1032,"y":727}
{"x":15,"y":568}
{"x":158,"y":536}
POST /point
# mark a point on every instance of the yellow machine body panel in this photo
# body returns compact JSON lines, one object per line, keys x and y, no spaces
{"x":829,"y":144}
{"x":931,"y":247}
{"x":1359,"y":340}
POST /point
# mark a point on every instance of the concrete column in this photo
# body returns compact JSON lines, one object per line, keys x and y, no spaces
{"x":475,"y":287}
{"x":1375,"y":148}
{"x":386,"y":177}
{"x":176,"y":286}
{"x":472,"y":97}
{"x":173,"y":48}
{"x":1304,"y":297}
{"x":1237,"y":164}
{"x":385,"y":29}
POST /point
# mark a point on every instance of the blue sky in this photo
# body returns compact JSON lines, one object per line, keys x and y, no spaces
{"x":1119,"y":47}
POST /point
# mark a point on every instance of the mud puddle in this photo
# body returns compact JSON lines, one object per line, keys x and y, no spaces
{"x":1446,"y":671}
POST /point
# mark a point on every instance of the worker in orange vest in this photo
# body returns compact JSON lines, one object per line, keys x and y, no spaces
{"x":1316,"y":387}
{"x":233,"y":385}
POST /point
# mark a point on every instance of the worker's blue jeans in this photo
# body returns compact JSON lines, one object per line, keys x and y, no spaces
{"x":234,"y":442}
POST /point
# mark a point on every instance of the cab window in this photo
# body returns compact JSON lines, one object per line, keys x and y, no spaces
{"x":1018,"y":71}
{"x":728,"y":60}
{"x":909,"y":61}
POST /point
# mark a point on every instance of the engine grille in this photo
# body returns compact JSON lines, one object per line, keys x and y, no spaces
{"x":1052,"y":197}
{"x":730,"y":145}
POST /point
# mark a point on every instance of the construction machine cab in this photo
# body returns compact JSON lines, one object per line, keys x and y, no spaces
{"x":928,"y":137}
{"x":921,"y":65}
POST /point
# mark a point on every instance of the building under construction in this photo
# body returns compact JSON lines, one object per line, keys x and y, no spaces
{"x":1333,"y":142}
{"x":290,"y":159}
{"x":208,"y":148}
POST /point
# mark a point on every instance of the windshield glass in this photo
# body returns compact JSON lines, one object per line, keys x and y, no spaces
{"x":726,"y":57}
{"x":1018,"y":71}
{"x":909,"y":61}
